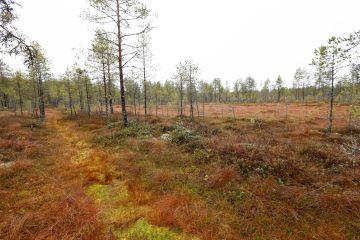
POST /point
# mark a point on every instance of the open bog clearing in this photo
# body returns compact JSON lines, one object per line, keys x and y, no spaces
{"x":179,"y":120}
{"x":315,"y":114}
{"x":219,"y":178}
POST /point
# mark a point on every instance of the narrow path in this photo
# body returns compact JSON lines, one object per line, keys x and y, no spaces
{"x":120,"y":212}
{"x":44,"y":198}
{"x":70,"y":188}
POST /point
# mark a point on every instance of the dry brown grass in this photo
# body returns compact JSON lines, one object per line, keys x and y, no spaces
{"x":65,"y":216}
{"x":221,"y":177}
{"x":40,"y":197}
{"x":162,"y":176}
{"x":192,"y":216}
{"x":21,"y":164}
{"x":312,"y":113}
{"x":281,"y":179}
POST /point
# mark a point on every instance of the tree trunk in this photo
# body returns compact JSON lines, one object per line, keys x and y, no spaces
{"x":191,"y":95}
{"x":203,"y":107}
{"x":134,"y":100}
{"x":110,"y":92}
{"x":70,"y":98}
{"x":41,"y":95}
{"x":81,"y":97}
{"x":279,"y":94}
{"x":105,"y":90}
{"x":145,"y":84}
{"x":87,"y":97}
{"x":181,"y":97}
{"x":303,"y":92}
{"x":35,"y":98}
{"x":332,"y":95}
{"x":20,"y":96}
{"x":120,"y":60}
{"x":156,"y":106}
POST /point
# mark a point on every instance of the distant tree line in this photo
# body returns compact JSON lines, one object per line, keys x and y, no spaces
{"x":117,"y":72}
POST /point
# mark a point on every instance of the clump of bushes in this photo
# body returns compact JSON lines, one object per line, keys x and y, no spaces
{"x":327,"y":155}
{"x":186,"y":137}
{"x":137,"y":129}
{"x":140,"y":130}
{"x":182,"y":135}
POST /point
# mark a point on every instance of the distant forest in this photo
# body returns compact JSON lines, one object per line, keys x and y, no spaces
{"x":117,"y":72}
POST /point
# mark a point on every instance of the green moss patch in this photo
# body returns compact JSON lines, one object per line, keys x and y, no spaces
{"x":141,"y":229}
{"x":106,"y":194}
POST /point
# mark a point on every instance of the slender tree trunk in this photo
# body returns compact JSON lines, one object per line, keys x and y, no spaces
{"x":105,"y":90}
{"x":35,"y":98}
{"x":2,"y":101}
{"x":41,"y":95}
{"x":100,"y":98}
{"x":145,"y":84}
{"x":58,"y":95}
{"x":87,"y":97}
{"x":134,"y":99}
{"x":120,"y":60}
{"x":332,"y":94}
{"x":279,"y":94}
{"x":70,"y":98}
{"x":303,"y":92}
{"x":181,"y":97}
{"x":20,"y":97}
{"x":203,"y":107}
{"x":156,"y":105}
{"x":109,"y":84}
{"x":219,"y":93}
{"x":191,"y":95}
{"x":297,"y":92}
{"x":81,"y":97}
{"x":197,"y":108}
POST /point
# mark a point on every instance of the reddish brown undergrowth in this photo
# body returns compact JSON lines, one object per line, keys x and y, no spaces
{"x":191,"y":215}
{"x":40,"y":197}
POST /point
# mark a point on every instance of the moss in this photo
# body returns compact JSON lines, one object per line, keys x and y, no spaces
{"x":80,"y":157}
{"x":116,"y":211}
{"x":143,"y":230}
{"x":106,"y":194}
{"x":25,"y":194}
{"x":124,"y":213}
{"x":116,"y":208}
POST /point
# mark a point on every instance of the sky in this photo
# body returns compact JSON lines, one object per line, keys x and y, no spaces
{"x":229,"y":39}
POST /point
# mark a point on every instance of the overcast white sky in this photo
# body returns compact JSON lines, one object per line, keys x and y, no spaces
{"x":229,"y":39}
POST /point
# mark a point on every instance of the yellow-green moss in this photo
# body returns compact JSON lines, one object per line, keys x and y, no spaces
{"x":114,"y":198}
{"x":25,"y":194}
{"x":124,"y":213}
{"x":106,"y":194}
{"x":81,"y":156}
{"x":141,"y":229}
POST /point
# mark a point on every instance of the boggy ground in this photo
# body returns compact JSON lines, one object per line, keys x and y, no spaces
{"x":296,"y":111}
{"x":221,"y":178}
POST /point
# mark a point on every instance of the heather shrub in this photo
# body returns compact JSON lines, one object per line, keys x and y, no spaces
{"x":135,"y":129}
{"x":183,"y":135}
{"x":186,"y":137}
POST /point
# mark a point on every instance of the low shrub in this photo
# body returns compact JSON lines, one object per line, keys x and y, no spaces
{"x":328,"y":156}
{"x":186,"y":137}
{"x":135,"y":129}
{"x":183,"y":135}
